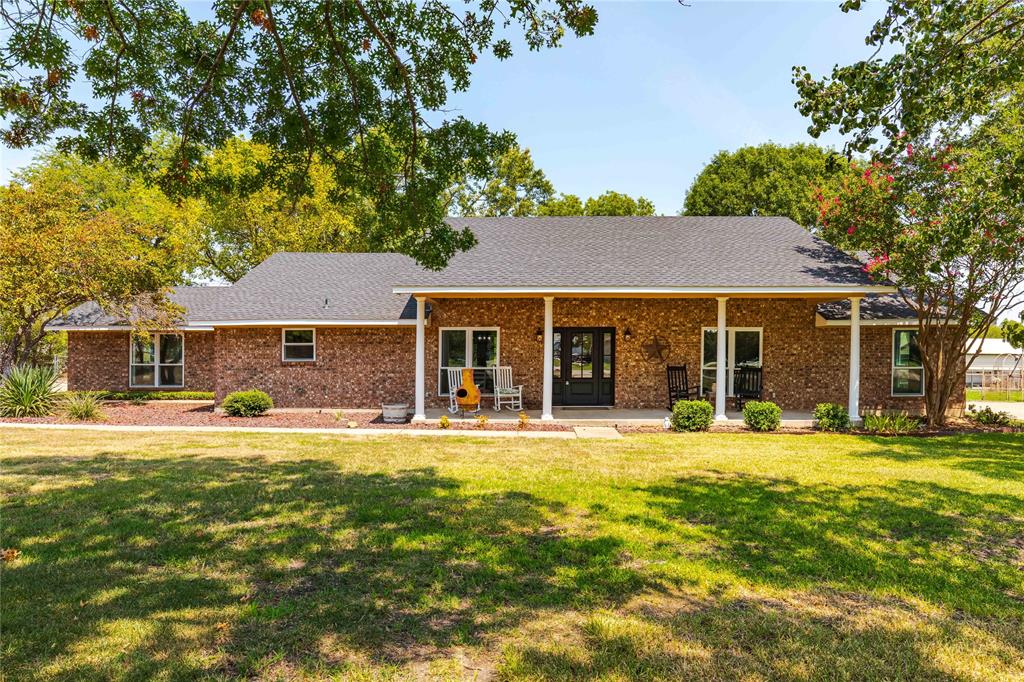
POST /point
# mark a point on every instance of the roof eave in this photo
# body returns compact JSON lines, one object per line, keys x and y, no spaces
{"x":837,"y":290}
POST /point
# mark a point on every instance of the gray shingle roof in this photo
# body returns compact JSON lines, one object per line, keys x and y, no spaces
{"x":294,"y":286}
{"x":197,"y":301}
{"x":650,"y":252}
{"x":877,"y":307}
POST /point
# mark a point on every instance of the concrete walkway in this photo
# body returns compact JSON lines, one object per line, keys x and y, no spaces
{"x":1015,"y":410}
{"x":375,"y":433}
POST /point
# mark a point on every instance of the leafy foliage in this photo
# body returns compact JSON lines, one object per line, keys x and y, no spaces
{"x":511,"y":186}
{"x":252,"y":403}
{"x":946,"y":222}
{"x":692,"y":415}
{"x":1012,"y":332}
{"x":156,"y":395}
{"x":945,"y":64}
{"x":240,"y":221}
{"x":359,"y":85}
{"x":84,"y":406}
{"x":762,"y":415}
{"x":986,"y":416}
{"x":610,"y":203}
{"x":892,"y":424}
{"x":28,"y":392}
{"x":72,"y":232}
{"x":766,"y":179}
{"x":831,"y":417}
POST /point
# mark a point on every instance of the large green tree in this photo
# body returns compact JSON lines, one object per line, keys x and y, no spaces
{"x":72,"y":232}
{"x":610,"y":203}
{"x":767,"y":179}
{"x":360,"y":85}
{"x":511,"y":186}
{"x":944,"y":221}
{"x":934,"y":65}
{"x":238,"y":220}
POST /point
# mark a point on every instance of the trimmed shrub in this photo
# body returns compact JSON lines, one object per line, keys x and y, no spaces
{"x":894,"y":424}
{"x":84,"y":406}
{"x":986,"y":416}
{"x":251,"y":403}
{"x":156,"y":395}
{"x":692,"y":415}
{"x":831,"y":417}
{"x":762,"y":415}
{"x":28,"y":392}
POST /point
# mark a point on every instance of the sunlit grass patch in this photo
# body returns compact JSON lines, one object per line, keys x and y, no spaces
{"x":656,"y":557}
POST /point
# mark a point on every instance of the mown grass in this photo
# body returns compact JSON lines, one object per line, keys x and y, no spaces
{"x":704,"y":556}
{"x":1013,"y":396}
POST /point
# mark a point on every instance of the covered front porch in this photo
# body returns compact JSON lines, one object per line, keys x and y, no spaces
{"x":574,"y":416}
{"x":804,"y":364}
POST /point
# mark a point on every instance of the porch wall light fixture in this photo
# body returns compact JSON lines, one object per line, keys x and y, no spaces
{"x":628,"y":334}
{"x":539,"y":334}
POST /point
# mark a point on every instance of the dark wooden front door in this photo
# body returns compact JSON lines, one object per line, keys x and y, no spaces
{"x":584,"y":366}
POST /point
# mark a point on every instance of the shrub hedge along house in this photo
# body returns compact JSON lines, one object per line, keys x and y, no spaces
{"x":586,"y":311}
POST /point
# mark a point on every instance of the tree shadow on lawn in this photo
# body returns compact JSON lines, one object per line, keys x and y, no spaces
{"x":999,"y":456}
{"x":289,"y":561}
{"x":949,"y":547}
{"x":912,"y":581}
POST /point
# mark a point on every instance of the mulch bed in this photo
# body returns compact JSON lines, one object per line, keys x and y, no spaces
{"x":169,"y":413}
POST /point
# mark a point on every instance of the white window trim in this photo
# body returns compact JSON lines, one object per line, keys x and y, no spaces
{"x":893,"y":368}
{"x":730,"y":353}
{"x":156,"y":362}
{"x":286,"y":343}
{"x":469,"y":350}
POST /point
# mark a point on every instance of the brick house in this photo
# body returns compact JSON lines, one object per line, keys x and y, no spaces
{"x":628,"y":295}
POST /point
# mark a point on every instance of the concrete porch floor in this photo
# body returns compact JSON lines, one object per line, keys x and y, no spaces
{"x":574,"y":416}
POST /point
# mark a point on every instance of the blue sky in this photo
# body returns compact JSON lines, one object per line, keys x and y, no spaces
{"x":641,"y":106}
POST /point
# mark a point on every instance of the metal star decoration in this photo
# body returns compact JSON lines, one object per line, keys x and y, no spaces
{"x":657,"y":350}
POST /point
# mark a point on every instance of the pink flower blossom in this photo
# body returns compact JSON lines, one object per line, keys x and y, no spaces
{"x":910,"y":150}
{"x":851,"y":229}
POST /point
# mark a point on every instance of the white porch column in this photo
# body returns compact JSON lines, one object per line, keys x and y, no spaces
{"x":721,"y":382}
{"x":854,"y":401}
{"x":421,"y":366}
{"x":549,"y":372}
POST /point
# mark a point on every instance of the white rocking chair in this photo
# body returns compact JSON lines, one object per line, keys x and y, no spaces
{"x":454,"y":384}
{"x":504,"y":392}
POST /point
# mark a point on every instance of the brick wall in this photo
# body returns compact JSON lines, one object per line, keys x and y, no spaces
{"x":98,"y":361}
{"x":362,"y":367}
{"x":803,"y":364}
{"x":354,"y":367}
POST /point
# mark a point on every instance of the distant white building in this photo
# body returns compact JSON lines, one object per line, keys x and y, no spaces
{"x":997,"y":357}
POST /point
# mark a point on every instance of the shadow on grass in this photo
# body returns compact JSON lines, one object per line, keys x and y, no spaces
{"x":391,"y":565}
{"x":995,"y":456}
{"x":183,"y":567}
{"x":952,"y":548}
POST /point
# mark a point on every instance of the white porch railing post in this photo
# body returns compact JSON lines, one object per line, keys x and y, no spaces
{"x":420,"y":413}
{"x":854,"y":400}
{"x":720,"y":375}
{"x":549,"y":341}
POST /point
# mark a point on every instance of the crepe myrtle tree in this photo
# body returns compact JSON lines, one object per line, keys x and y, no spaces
{"x":945,"y":222}
{"x":935,"y":65}
{"x":360,"y":85}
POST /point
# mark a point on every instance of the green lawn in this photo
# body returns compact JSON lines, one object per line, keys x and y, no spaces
{"x":718,"y":556}
{"x":989,"y":394}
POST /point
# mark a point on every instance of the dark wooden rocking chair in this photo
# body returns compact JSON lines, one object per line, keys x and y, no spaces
{"x":679,"y":385}
{"x":746,"y":385}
